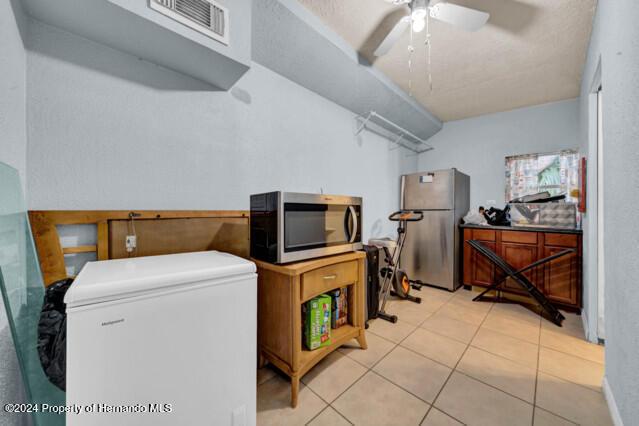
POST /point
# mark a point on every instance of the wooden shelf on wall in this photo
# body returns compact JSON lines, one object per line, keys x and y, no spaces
{"x":79,"y":249}
{"x":160,"y":232}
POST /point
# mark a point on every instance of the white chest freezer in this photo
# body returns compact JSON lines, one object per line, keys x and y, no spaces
{"x":163,"y":340}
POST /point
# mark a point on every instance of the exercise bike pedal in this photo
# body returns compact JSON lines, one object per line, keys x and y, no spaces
{"x":416,"y":287}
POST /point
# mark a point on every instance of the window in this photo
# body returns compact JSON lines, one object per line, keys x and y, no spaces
{"x":557,"y":173}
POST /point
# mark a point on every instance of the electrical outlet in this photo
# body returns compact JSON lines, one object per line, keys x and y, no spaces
{"x":131,"y":243}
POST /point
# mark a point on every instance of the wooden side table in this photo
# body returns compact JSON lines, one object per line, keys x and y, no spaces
{"x":282,"y":289}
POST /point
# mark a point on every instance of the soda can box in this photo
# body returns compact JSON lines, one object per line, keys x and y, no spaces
{"x":339,"y":307}
{"x":317,"y":324}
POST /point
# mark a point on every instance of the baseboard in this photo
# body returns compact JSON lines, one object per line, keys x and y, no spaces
{"x":612,"y":405}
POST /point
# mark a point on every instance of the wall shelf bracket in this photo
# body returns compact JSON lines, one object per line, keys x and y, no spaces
{"x":396,"y":134}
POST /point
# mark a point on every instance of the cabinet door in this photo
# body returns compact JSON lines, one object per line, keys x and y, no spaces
{"x":561,"y":277}
{"x":468,"y":258}
{"x":519,"y":256}
{"x":483,"y":270}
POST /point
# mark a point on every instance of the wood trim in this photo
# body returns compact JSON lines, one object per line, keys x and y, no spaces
{"x":79,"y":249}
{"x":103,"y":240}
{"x":296,"y":322}
{"x":305,"y":266}
{"x":51,"y":254}
{"x":484,"y":234}
{"x":519,"y":237}
{"x":338,"y":337}
{"x":47,"y":242}
{"x":324,"y":279}
{"x":561,"y":240}
{"x":79,"y":217}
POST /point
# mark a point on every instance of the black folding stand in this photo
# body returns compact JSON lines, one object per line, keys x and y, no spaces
{"x":519,"y":277}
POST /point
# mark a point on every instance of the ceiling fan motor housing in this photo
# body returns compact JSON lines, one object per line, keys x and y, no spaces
{"x":419,"y":9}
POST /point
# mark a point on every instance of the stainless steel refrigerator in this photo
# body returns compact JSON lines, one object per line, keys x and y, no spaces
{"x":432,"y":249}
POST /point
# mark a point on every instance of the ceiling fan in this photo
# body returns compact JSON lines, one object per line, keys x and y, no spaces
{"x":462,"y":17}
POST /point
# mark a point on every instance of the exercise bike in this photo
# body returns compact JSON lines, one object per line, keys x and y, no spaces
{"x":395,"y":281}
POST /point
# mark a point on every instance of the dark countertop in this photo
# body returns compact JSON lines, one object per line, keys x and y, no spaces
{"x":523,"y":228}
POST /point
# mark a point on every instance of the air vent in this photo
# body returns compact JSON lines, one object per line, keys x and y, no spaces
{"x":205,"y":16}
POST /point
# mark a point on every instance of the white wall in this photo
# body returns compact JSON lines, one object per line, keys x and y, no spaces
{"x":615,"y":41}
{"x":478,"y":146}
{"x":13,"y":145}
{"x":12,"y":88}
{"x":108,"y":131}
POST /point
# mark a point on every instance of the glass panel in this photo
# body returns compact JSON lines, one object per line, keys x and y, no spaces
{"x":309,"y":226}
{"x":75,"y":262}
{"x":23,"y":294}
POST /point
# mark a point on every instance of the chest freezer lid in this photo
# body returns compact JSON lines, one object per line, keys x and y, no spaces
{"x":122,"y":278}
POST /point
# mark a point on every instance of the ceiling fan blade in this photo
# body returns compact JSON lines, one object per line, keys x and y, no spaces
{"x":398,"y":2}
{"x":459,"y":16}
{"x":392,"y":37}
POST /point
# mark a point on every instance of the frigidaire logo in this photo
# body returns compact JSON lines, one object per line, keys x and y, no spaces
{"x":113,"y":322}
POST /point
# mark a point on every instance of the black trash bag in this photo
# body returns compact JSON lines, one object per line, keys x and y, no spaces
{"x":52,"y":333}
{"x":497,"y":217}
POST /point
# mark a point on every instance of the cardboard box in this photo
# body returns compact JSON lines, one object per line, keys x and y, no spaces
{"x":317,"y":322}
{"x":339,"y":307}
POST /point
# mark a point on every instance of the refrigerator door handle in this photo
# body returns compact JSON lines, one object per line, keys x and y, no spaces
{"x":402,"y":194}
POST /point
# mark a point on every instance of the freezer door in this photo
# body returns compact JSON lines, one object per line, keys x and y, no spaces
{"x":428,"y":255}
{"x":429,"y":190}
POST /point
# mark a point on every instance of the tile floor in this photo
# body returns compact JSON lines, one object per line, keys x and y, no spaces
{"x":449,"y":361}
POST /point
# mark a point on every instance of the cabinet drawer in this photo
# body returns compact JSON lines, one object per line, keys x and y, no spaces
{"x":561,"y":240}
{"x":484,"y":234}
{"x":328,"y":278}
{"x":519,"y":237}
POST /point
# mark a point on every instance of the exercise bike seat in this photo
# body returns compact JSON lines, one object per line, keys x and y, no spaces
{"x":382,"y":242}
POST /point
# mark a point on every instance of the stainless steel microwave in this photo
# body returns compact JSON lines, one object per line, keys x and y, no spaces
{"x":288,"y":226}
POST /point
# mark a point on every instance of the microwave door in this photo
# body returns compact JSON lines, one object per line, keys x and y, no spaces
{"x":337,"y":225}
{"x":304,"y":226}
{"x":350,"y":224}
{"x":309,"y":226}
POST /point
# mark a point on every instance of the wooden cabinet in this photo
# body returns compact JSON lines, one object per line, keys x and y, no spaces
{"x":483,"y":271}
{"x":281,"y":291}
{"x":559,"y":280}
{"x":480,"y":271}
{"x":328,"y":278}
{"x":519,"y":256}
{"x":560,"y":277}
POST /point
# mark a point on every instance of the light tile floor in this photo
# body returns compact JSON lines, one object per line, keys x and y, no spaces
{"x":449,"y":361}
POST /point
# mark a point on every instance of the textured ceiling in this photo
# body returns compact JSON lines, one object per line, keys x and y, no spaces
{"x":530,"y":52}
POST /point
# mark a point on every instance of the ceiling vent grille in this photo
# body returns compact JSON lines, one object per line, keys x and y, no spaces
{"x":206,"y":16}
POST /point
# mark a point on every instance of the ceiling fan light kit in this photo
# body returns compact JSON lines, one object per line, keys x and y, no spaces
{"x":420,"y":11}
{"x":461,"y":17}
{"x":419,"y":25}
